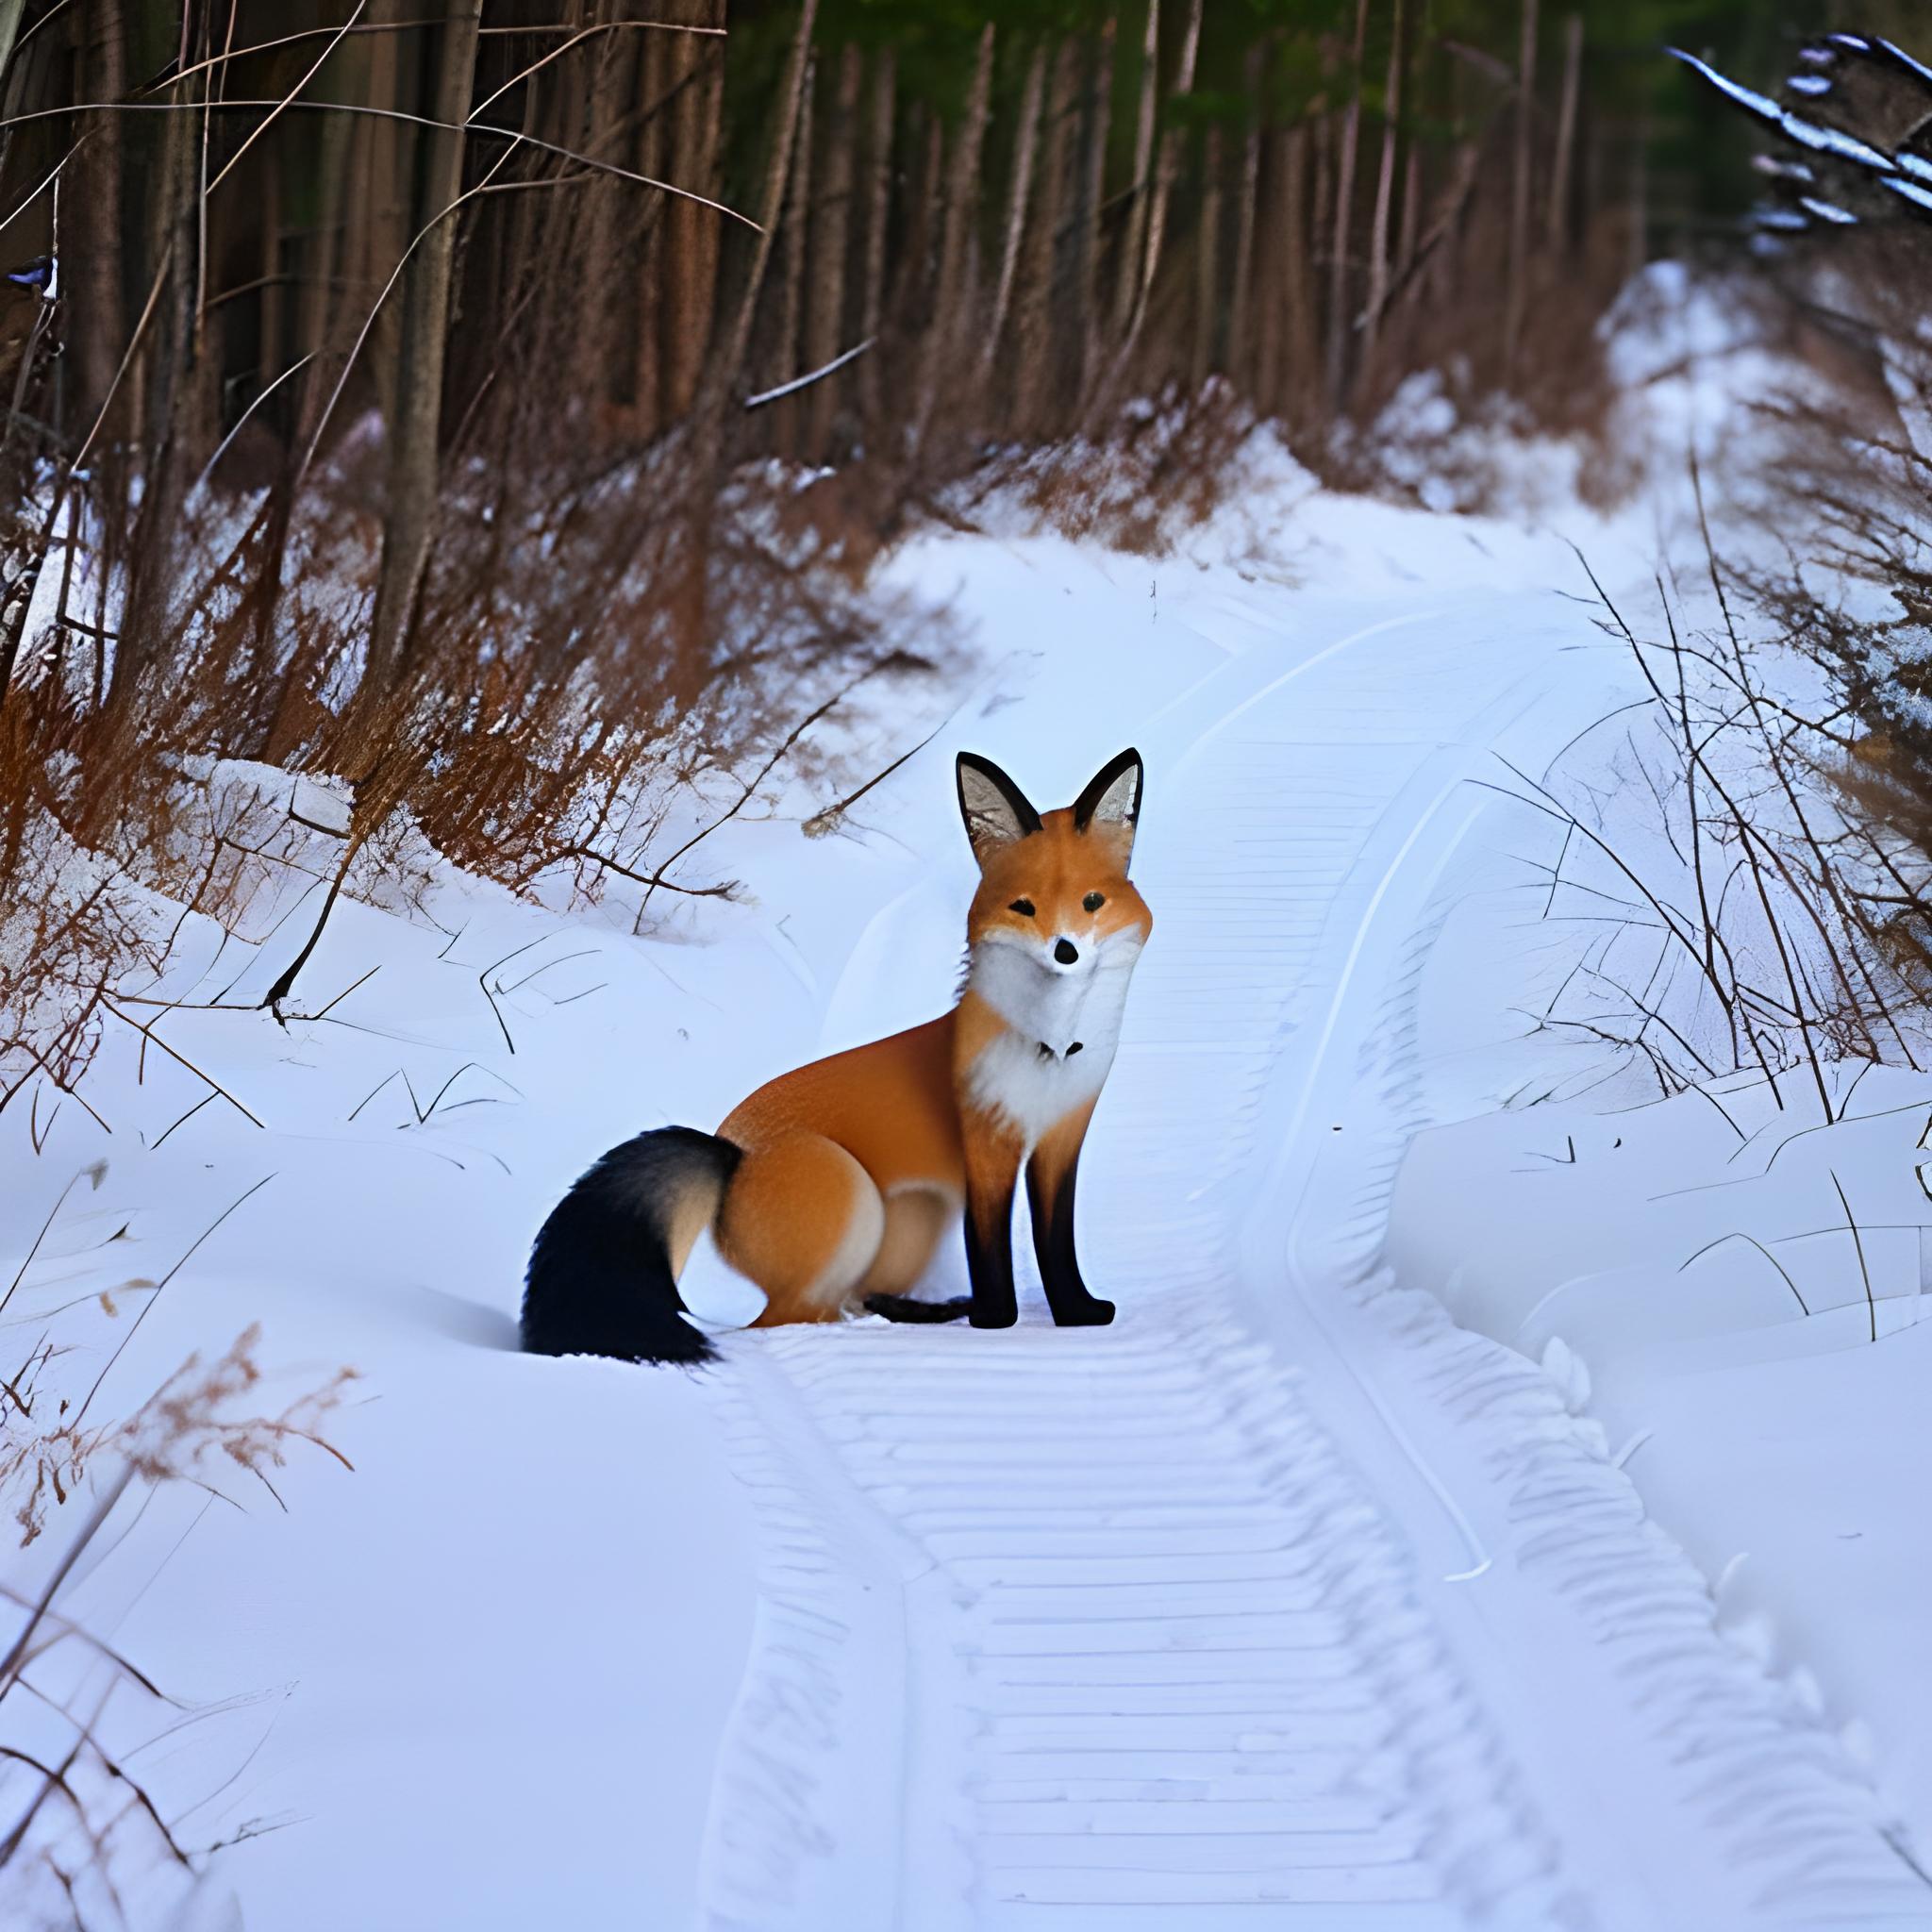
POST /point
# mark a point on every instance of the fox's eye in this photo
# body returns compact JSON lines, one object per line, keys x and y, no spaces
{"x":1094,"y":900}
{"x":1023,"y":907}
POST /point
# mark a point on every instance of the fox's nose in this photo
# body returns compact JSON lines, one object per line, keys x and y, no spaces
{"x":1066,"y":952}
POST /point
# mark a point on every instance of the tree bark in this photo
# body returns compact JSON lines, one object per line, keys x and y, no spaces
{"x":1385,"y":193}
{"x":688,"y":302}
{"x":176,"y":387}
{"x":1096,"y":114}
{"x":797,"y":231}
{"x":690,"y":592}
{"x":1344,"y":215}
{"x":772,"y":203}
{"x":409,"y":515}
{"x":613,"y":64}
{"x":1411,"y":213}
{"x":1046,"y":389}
{"x":1127,"y":287}
{"x":1566,"y":134}
{"x":96,"y":301}
{"x":1241,"y":298}
{"x":1207,"y":262}
{"x":948,"y":328}
{"x":1517,"y":299}
{"x":831,"y":244}
{"x":1164,"y":179}
{"x":1302,"y":377}
{"x":1272,"y":240}
{"x":1024,"y":143}
{"x":10,"y":11}
{"x":378,"y":207}
{"x":878,"y":214}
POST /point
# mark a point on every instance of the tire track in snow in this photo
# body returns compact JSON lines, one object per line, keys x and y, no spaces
{"x":1723,"y":1779}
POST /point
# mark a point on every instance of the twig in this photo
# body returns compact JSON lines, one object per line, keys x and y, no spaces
{"x":96,"y":1174}
{"x":147,"y":1032}
{"x":188,"y":1116}
{"x":146,"y":1306}
{"x":1858,"y":1244}
{"x":764,"y":771}
{"x":1761,"y":1249}
{"x":340,"y":997}
{"x":799,"y":382}
{"x":482,"y":980}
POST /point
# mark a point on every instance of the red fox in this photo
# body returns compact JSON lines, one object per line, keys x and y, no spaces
{"x":830,"y":1187}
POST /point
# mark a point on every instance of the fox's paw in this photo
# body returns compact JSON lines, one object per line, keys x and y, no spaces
{"x":994,"y":1318}
{"x":1091,"y":1313}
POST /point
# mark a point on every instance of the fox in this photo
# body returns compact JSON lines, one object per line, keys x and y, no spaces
{"x":831,"y":1187}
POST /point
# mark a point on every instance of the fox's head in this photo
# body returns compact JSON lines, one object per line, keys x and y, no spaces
{"x":1054,"y":886}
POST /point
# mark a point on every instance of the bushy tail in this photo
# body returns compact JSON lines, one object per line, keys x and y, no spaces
{"x":603,"y":1275}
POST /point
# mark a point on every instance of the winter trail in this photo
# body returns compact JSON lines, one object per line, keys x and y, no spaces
{"x":1281,"y":1602}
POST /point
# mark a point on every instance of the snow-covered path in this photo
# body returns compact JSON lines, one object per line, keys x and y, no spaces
{"x":1279,"y":1603}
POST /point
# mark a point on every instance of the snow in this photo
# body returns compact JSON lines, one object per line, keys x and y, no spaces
{"x":1447,"y":1532}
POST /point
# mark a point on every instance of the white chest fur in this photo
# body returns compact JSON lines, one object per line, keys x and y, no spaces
{"x":1061,"y":1029}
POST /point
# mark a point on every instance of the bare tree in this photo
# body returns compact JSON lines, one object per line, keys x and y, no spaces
{"x":414,"y":466}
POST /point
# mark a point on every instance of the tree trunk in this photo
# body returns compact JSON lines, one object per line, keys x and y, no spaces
{"x":688,"y":302}
{"x":797,"y":231}
{"x":771,"y":202}
{"x":1302,"y":377}
{"x":1639,"y":195}
{"x":324,"y":253}
{"x":878,"y":214}
{"x":653,"y":265}
{"x":1566,"y":135}
{"x":410,"y":514}
{"x":831,"y":244}
{"x":1024,"y":143}
{"x":378,"y":205}
{"x":690,"y":594}
{"x":96,"y":299}
{"x":271,"y":327}
{"x":1126,"y":287}
{"x":1242,"y":299}
{"x":602,"y":208}
{"x":1385,"y":193}
{"x":947,"y":331}
{"x":10,"y":11}
{"x":1207,"y":262}
{"x":1164,"y":179}
{"x":1344,"y":215}
{"x":175,"y":390}
{"x":1411,"y":213}
{"x":1272,"y":244}
{"x":1517,"y":299}
{"x":1047,"y":390}
{"x":1096,"y":114}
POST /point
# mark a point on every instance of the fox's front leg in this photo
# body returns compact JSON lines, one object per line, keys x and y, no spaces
{"x":992,"y":1174}
{"x":1050,"y":1177}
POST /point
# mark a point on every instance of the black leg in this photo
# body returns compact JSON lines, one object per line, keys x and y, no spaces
{"x":990,"y":1260}
{"x":1072,"y":1305}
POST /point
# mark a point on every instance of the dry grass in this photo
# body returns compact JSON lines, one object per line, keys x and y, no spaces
{"x":81,"y":1825}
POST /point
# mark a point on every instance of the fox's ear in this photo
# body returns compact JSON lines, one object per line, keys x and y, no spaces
{"x":1113,"y":797}
{"x":995,"y":809}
